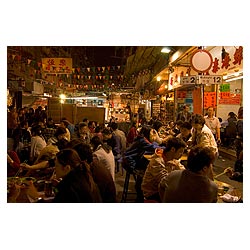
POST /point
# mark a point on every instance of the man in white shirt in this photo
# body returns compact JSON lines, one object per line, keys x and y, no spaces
{"x":213,"y":123}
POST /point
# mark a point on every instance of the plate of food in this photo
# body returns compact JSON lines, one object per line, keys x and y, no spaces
{"x":20,"y":181}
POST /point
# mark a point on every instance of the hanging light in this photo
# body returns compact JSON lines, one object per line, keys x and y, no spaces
{"x":62,"y":96}
{"x":165,"y":50}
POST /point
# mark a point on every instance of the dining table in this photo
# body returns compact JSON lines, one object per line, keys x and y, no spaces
{"x":31,"y":190}
{"x":228,"y":193}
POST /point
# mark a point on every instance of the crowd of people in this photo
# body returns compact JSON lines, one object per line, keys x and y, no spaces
{"x":80,"y":160}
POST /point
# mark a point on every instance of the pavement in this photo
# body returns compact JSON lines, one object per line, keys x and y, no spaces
{"x":224,"y":161}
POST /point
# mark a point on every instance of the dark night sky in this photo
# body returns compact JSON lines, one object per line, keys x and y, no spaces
{"x":105,"y":55}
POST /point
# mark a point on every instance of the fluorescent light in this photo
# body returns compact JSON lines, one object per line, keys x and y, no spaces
{"x":165,"y":50}
{"x":234,"y":79}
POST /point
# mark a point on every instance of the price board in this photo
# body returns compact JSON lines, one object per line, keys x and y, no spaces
{"x":210,"y":79}
{"x":188,"y":80}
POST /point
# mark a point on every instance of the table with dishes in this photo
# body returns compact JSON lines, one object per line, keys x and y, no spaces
{"x":227,"y":193}
{"x":29,"y":190}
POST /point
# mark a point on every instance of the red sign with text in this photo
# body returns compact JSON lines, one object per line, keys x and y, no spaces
{"x":209,"y":99}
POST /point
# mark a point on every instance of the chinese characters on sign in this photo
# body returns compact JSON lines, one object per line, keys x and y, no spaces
{"x":181,"y":94}
{"x":226,"y":97}
{"x":232,"y":99}
{"x":225,"y":88}
{"x":57,"y":65}
{"x":209,"y":99}
{"x":225,"y":63}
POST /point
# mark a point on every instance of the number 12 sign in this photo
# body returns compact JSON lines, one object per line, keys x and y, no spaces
{"x":210,"y":79}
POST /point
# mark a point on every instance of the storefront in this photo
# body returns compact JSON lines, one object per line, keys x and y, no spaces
{"x":221,"y":86}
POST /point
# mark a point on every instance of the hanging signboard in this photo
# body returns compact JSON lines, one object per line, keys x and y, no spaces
{"x":232,"y":99}
{"x":57,"y":65}
{"x":225,"y":88}
{"x":209,"y":79}
{"x":188,"y":80}
{"x":201,"y":61}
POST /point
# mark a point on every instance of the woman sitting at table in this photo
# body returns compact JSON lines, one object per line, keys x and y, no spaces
{"x":192,"y":184}
{"x":77,"y":184}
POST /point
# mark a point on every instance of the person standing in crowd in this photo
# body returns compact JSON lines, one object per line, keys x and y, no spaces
{"x":184,"y":115}
{"x":91,"y":126}
{"x":122,"y":142}
{"x":21,"y":115}
{"x":40,"y":115}
{"x":98,"y":131}
{"x":230,"y":130}
{"x":213,"y":123}
{"x":192,"y":184}
{"x":77,"y":184}
{"x":12,"y":120}
{"x":132,"y":133}
{"x":161,"y":165}
{"x":113,"y":141}
{"x":121,"y":135}
{"x":239,"y":136}
{"x":134,"y":160}
{"x":30,"y":116}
